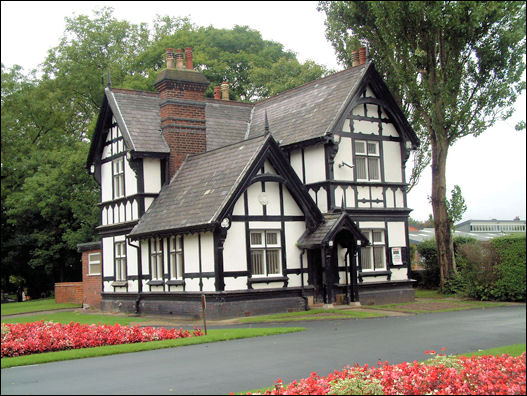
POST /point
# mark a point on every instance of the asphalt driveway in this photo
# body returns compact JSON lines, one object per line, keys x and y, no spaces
{"x":223,"y":367}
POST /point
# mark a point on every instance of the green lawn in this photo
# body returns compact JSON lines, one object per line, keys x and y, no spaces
{"x":312,"y":314}
{"x":212,"y":336}
{"x":44,"y":304}
{"x":79,"y":317}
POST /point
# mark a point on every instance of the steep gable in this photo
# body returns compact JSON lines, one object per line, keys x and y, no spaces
{"x":207,"y":185}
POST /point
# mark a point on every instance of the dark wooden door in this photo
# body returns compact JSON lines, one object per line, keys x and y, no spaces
{"x":315,"y":275}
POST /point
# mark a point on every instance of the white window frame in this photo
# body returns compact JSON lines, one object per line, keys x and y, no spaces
{"x":156,"y":258}
{"x":118,"y":178}
{"x":369,"y":250}
{"x":367,"y":156}
{"x":120,"y":260}
{"x":93,"y":261}
{"x":265,"y":247}
{"x":176,"y":257}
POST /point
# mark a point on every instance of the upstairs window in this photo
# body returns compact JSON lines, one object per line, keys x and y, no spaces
{"x":120,"y":261}
{"x":373,"y":257}
{"x":156,"y":258}
{"x":265,"y":253}
{"x":118,"y":177}
{"x":367,"y":160}
{"x":176,"y":257}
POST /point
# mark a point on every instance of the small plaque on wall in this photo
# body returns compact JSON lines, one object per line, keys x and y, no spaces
{"x":397,"y":257}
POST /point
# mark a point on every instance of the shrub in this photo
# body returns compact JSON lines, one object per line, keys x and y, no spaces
{"x":478,"y":270}
{"x":510,"y":284}
{"x":428,"y":251}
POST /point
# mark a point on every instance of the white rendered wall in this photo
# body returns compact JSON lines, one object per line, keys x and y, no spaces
{"x":344,"y":154}
{"x":130,"y":179}
{"x":295,"y":159}
{"x":396,"y":234}
{"x":207,"y":252}
{"x":392,"y":162}
{"x":272,"y":191}
{"x":254,"y":205}
{"x":315,"y":163}
{"x":399,"y":273}
{"x":234,"y":255}
{"x":106,"y":181}
{"x":107,"y":261}
{"x":152,"y":175}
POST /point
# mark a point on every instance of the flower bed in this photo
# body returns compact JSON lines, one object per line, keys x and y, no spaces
{"x":26,"y":338}
{"x":443,"y":375}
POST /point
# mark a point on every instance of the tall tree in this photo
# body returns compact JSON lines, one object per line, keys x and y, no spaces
{"x":454,"y":67}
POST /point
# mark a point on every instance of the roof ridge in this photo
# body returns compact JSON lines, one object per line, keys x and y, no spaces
{"x":313,"y":82}
{"x":135,"y":92}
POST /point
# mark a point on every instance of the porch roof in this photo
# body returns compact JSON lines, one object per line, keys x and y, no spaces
{"x":326,"y":231}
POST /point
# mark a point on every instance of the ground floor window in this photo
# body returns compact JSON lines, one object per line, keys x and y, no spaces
{"x":176,"y":257}
{"x":120,"y":261}
{"x":265,"y":252}
{"x":156,"y":258}
{"x":94,"y":264}
{"x":373,"y":257}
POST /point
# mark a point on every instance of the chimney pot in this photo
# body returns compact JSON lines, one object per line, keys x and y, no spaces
{"x":362,"y":55}
{"x":179,"y":58}
{"x":217,"y":94}
{"x":354,"y":58}
{"x":188,"y":58}
{"x":225,"y":91}
{"x":170,"y":58}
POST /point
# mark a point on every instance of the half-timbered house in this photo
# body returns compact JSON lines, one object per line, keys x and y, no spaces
{"x":293,"y":201}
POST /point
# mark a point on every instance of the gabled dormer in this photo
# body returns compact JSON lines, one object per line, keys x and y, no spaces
{"x":127,"y":156}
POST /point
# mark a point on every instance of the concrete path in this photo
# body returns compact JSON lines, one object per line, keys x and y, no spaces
{"x":232,"y":366}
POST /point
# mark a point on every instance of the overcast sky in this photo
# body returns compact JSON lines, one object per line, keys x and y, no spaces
{"x":490,"y":169}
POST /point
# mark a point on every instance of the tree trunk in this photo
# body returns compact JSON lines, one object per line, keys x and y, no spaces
{"x":445,"y":251}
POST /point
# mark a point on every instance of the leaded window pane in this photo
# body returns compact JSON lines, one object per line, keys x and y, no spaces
{"x":360,"y":163}
{"x":273,"y":264}
{"x":360,"y":148}
{"x":372,"y":148}
{"x":272,"y":238}
{"x":378,"y":253}
{"x":257,"y":262}
{"x":256,"y":238}
{"x":373,"y":167}
{"x":365,"y":259}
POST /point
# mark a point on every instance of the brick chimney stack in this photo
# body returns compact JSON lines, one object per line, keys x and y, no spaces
{"x":355,"y":58}
{"x":217,"y":94}
{"x":182,"y":109}
{"x":179,"y":58}
{"x":362,"y":55}
{"x":225,"y":91}
{"x":188,"y":58}
{"x":170,"y":58}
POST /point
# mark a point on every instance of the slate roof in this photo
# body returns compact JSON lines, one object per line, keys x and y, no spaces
{"x":199,"y":190}
{"x":141,"y":117}
{"x":308,"y":111}
{"x":226,"y":123}
{"x":317,"y":237}
{"x":299,"y":114}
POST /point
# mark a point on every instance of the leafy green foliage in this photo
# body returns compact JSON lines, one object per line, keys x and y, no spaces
{"x":510,"y":284}
{"x":493,"y":270}
{"x":428,"y":252}
{"x":49,"y":202}
{"x":456,"y":206}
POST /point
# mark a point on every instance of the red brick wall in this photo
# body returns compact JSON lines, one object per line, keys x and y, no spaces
{"x":68,"y":292}
{"x":92,"y":284}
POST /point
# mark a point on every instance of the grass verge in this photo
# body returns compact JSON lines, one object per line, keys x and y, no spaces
{"x":312,"y":314}
{"x":512,"y":350}
{"x":437,"y":306}
{"x":44,"y":304}
{"x":212,"y":336}
{"x":78,"y":317}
